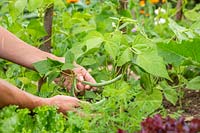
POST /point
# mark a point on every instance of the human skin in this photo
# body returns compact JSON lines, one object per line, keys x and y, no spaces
{"x":19,"y":52}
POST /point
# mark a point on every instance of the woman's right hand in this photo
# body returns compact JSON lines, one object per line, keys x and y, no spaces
{"x":64,"y":103}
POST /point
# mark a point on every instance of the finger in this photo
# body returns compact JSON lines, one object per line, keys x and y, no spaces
{"x":89,"y":78}
{"x":75,"y":103}
{"x":87,"y":87}
{"x":80,"y":86}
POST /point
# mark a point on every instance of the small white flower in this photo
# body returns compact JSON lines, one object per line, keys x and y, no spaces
{"x":159,"y":21}
{"x":160,"y":10}
{"x":156,"y":11}
{"x":162,"y":21}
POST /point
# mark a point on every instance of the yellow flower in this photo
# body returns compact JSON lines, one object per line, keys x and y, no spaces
{"x":72,"y":1}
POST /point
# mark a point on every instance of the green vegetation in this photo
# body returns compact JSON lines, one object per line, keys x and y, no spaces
{"x":157,"y":61}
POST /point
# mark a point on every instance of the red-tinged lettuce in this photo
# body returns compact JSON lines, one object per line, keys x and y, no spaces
{"x":157,"y":124}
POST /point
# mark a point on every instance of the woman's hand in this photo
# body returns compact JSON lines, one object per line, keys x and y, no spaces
{"x":64,"y":103}
{"x":81,"y":74}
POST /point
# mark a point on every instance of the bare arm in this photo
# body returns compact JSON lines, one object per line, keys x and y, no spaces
{"x":11,"y":95}
{"x":15,"y":50}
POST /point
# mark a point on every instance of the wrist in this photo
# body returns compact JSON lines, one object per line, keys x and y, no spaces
{"x":40,"y":102}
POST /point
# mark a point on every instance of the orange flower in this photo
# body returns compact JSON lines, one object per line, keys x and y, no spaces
{"x":142,"y":3}
{"x":155,"y":1}
{"x":72,"y":1}
{"x":142,"y":11}
{"x":163,"y":1}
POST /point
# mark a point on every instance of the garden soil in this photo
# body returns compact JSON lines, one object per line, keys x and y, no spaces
{"x":190,"y":105}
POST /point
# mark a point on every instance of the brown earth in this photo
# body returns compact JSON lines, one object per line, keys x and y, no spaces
{"x":190,"y":104}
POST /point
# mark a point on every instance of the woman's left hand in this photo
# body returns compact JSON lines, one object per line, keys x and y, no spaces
{"x":81,"y":74}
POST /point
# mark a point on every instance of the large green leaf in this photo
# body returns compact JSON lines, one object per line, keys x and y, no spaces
{"x":88,"y":61}
{"x":125,"y":57}
{"x":148,"y":103}
{"x":192,"y":15}
{"x":181,"y":32}
{"x":194,"y":84}
{"x":46,"y":66}
{"x":152,"y":63}
{"x":42,"y":67}
{"x":20,"y":5}
{"x":170,"y":58}
{"x":16,"y":8}
{"x":112,"y":43}
{"x":112,"y":49}
{"x":186,"y":49}
{"x":93,"y":40}
{"x":36,"y":29}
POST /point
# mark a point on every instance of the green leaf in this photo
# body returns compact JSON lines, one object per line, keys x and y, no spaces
{"x":112,"y":49}
{"x":36,"y":29}
{"x":88,"y":61}
{"x":125,"y":57}
{"x":52,"y":75}
{"x":34,"y":4}
{"x":148,"y":103}
{"x":93,"y":40}
{"x":170,"y":94}
{"x":196,"y":27}
{"x":69,"y":57}
{"x":69,"y":60}
{"x":67,"y":66}
{"x":83,"y":28}
{"x":194,"y":84}
{"x":170,"y":58}
{"x":46,"y":66}
{"x":186,"y":49}
{"x":77,"y":51}
{"x":16,"y":8}
{"x":192,"y":15}
{"x":32,"y":75}
{"x":152,"y":63}
{"x":24,"y":80}
{"x":20,"y":5}
{"x":181,"y":32}
{"x":42,"y":67}
{"x":140,"y":39}
{"x":112,"y":43}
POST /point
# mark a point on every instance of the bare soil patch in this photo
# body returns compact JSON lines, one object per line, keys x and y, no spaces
{"x":190,"y":104}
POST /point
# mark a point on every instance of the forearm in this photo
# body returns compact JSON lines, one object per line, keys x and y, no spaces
{"x":17,"y":51}
{"x":11,"y":95}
